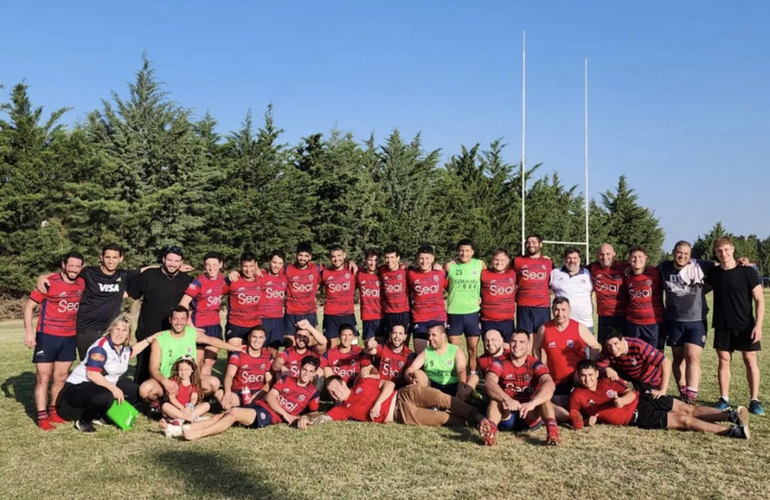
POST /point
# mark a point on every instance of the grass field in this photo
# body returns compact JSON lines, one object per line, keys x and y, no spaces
{"x":367,"y":461}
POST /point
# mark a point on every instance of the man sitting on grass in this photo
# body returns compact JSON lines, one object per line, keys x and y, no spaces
{"x":285,"y":401}
{"x":605,"y":401}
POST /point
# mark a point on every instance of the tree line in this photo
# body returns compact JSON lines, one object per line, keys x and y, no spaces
{"x":142,"y":172}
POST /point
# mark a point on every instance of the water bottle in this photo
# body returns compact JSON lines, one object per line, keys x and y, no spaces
{"x":246,"y":395}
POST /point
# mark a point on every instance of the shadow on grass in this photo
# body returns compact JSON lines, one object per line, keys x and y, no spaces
{"x":22,"y":389}
{"x":208,"y":474}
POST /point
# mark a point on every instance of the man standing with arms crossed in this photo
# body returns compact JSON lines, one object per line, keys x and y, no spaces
{"x":464,"y":302}
{"x":160,"y":289}
{"x":533,"y":297}
{"x":735,"y":326}
{"x":611,"y":294}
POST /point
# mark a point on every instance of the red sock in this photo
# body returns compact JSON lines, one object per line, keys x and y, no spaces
{"x":53,"y":415}
{"x":42,"y":415}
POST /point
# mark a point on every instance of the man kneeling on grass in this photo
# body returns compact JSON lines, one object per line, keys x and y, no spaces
{"x":605,"y":401}
{"x":285,"y":401}
{"x":376,"y":400}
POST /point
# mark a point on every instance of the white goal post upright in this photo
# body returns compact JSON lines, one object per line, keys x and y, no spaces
{"x":585,"y":243}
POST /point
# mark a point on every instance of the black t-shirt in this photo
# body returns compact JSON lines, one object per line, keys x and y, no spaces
{"x":732,"y":296}
{"x":102,"y":297}
{"x":160,"y":294}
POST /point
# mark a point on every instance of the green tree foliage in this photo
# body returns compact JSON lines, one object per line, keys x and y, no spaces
{"x":751,"y":247}
{"x":141,"y":172}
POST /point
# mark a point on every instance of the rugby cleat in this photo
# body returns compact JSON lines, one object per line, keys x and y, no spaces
{"x":755,"y":407}
{"x":743,"y":420}
{"x":85,"y":426}
{"x":45,"y":425}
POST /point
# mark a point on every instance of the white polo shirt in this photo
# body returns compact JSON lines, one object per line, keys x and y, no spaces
{"x":577,"y":289}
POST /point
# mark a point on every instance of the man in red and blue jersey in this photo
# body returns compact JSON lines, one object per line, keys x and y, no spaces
{"x":284,"y":403}
{"x":273,"y":285}
{"x":288,"y":360}
{"x":426,"y":288}
{"x":634,"y":360}
{"x":204,"y":297}
{"x":303,"y":279}
{"x":605,"y":401}
{"x":243,"y":298}
{"x":521,"y":389}
{"x":395,"y":295}
{"x":533,"y":293}
{"x":248,"y":375}
{"x":53,"y":341}
{"x":498,"y":295}
{"x":645,"y":313}
{"x":369,"y":287}
{"x":392,"y":358}
{"x":339,"y":285}
{"x":608,"y":277}
{"x":345,"y":359}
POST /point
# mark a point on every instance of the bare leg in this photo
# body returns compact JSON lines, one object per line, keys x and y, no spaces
{"x":422,"y":378}
{"x":44,"y":375}
{"x":752,"y":373}
{"x":495,"y":412}
{"x":682,"y":422}
{"x":209,"y":384}
{"x":150,"y":390}
{"x":420,"y":345}
{"x":201,"y":409}
{"x":678,"y":366}
{"x":243,"y":416}
{"x":692,"y":355}
{"x":172,"y":411}
{"x":209,"y":360}
{"x":236,"y":341}
{"x":725,"y":357}
{"x":561,"y":408}
{"x":472,"y":344}
{"x":705,"y":413}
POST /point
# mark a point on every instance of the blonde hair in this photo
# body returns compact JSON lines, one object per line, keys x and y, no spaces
{"x":117,"y":321}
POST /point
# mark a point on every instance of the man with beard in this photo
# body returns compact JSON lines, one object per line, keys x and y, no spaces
{"x":243,"y":299}
{"x":611,"y":294}
{"x":289,"y":360}
{"x":494,"y":348}
{"x":390,"y":359}
{"x":533,"y":296}
{"x":573,"y":282}
{"x":345,"y":359}
{"x":426,"y":288}
{"x":339,"y":285}
{"x":273,"y":284}
{"x":369,"y":284}
{"x":160,"y":290}
{"x":441,"y":366}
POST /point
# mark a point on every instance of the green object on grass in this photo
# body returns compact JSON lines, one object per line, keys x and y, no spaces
{"x":122,"y":414}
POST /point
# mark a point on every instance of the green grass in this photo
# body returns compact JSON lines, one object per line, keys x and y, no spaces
{"x":367,"y":461}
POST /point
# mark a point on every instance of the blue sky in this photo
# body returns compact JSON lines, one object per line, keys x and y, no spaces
{"x":678,"y":90}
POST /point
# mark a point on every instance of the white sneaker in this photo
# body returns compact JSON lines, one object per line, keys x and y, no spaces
{"x":172,"y":431}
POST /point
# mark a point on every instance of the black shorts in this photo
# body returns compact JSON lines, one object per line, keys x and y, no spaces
{"x":274,"y":333}
{"x":504,"y":327}
{"x":449,"y":389}
{"x":565,"y":388}
{"x":420,"y":329}
{"x":85,"y":339}
{"x":652,"y":413}
{"x":332,"y":325}
{"x":373,"y":329}
{"x":735,"y":339}
{"x":53,"y":349}
{"x":237,"y":332}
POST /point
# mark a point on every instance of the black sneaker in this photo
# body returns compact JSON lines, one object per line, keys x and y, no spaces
{"x":85,"y":426}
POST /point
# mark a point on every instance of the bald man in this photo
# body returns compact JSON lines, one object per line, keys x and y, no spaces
{"x":611,"y":295}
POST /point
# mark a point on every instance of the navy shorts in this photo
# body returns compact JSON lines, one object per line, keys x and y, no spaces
{"x":237,"y":332}
{"x":648,"y":333}
{"x":390,"y":319}
{"x":504,"y":327}
{"x":52,"y":348}
{"x":290,"y":322}
{"x":469,"y":324}
{"x":532,"y":318}
{"x":517,"y":424}
{"x":373,"y":329}
{"x":691,"y":332}
{"x":263,"y":418}
{"x":332,"y":325}
{"x":616,"y":322}
{"x":212,"y":331}
{"x":420,"y":329}
{"x":274,"y":332}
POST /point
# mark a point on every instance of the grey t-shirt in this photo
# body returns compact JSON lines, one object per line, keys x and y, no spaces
{"x":684,"y":302}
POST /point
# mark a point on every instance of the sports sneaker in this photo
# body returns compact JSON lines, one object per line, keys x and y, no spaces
{"x":45,"y":425}
{"x":755,"y":407}
{"x":488,"y":432}
{"x":54,"y":418}
{"x":722,"y":405}
{"x":738,"y":432}
{"x":85,"y":426}
{"x":742,"y":415}
{"x":553,"y":437}
{"x":99,"y":421}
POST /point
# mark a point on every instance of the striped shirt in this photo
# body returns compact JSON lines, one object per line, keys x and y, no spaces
{"x":640,"y":365}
